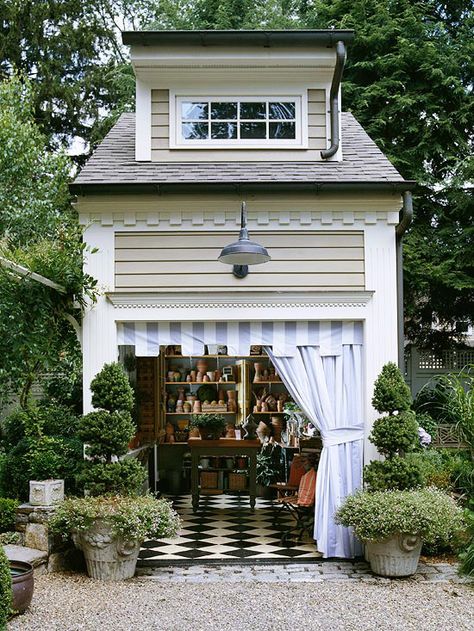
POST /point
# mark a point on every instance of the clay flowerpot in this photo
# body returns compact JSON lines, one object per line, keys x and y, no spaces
{"x":22,"y":584}
{"x":201,"y":366}
{"x":231,"y":402}
{"x":108,"y":558}
{"x":277,"y":425}
{"x":258,"y":372}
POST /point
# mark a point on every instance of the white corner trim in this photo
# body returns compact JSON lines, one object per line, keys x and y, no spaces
{"x":124,"y":300}
{"x":143,"y":122}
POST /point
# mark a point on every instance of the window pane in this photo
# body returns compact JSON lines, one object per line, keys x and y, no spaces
{"x":282,"y":130}
{"x":253,"y":110}
{"x":223,"y":130}
{"x":253,"y":130}
{"x":281,"y":110}
{"x":193,"y":110}
{"x":224,"y":110}
{"x":195,"y":131}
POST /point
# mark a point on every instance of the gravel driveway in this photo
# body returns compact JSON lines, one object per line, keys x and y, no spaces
{"x":74,"y":602}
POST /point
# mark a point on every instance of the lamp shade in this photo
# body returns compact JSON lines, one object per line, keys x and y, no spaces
{"x":244,"y":252}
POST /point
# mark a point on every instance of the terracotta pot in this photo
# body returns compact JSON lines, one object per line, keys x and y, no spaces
{"x":231,"y":402}
{"x":194,"y":433}
{"x":201,"y":366}
{"x":277,"y":425}
{"x":22,"y":584}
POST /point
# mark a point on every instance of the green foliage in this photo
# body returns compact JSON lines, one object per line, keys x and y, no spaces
{"x":63,"y":387}
{"x":12,"y":538}
{"x":106,"y":434}
{"x":432,"y":400}
{"x":39,"y":458}
{"x":7,"y":514}
{"x":436,"y":467}
{"x":393,"y":473}
{"x":111,"y":389}
{"x":209,"y":421}
{"x":467,"y":556}
{"x":6,"y":594}
{"x":408,"y":80}
{"x":395,"y":434}
{"x":132,"y":518}
{"x":125,"y":477}
{"x":459,"y":404}
{"x":428,"y":423}
{"x":428,"y":513}
{"x":268,"y":464}
{"x":391,"y":393}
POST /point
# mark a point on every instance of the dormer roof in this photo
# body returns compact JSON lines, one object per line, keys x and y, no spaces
{"x":113,"y":167}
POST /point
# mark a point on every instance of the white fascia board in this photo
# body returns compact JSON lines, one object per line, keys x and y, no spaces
{"x":143,"y":121}
{"x":193,"y":56}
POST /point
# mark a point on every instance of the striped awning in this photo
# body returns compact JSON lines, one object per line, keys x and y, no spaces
{"x":283,"y":337}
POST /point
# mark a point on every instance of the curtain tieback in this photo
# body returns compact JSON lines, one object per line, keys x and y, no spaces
{"x":341,"y":435}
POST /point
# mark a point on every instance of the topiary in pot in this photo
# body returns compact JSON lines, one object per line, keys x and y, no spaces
{"x":394,"y":434}
{"x":107,"y":433}
{"x":210,"y":426}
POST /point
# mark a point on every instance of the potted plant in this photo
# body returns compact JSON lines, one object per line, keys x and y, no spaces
{"x":268,"y":469}
{"x":210,"y":426}
{"x":394,"y":524}
{"x":110,"y":530}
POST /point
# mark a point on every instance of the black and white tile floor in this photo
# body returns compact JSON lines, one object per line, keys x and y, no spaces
{"x":226,"y":529}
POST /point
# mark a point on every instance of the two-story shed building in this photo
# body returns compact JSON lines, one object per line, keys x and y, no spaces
{"x":224,"y":117}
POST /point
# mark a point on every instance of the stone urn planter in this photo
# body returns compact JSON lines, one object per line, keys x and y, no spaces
{"x":22,"y":585}
{"x":109,"y":530}
{"x":394,"y":557}
{"x":108,"y":557}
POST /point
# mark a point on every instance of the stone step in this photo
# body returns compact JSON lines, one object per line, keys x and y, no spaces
{"x":29,"y":555}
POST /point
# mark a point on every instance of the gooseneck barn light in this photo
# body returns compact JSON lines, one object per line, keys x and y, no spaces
{"x":243,"y":252}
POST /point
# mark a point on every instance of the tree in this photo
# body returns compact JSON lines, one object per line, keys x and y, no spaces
{"x":39,"y":232}
{"x":409,"y":81}
{"x":70,"y":50}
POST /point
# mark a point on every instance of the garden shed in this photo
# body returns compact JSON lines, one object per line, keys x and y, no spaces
{"x":244,"y":131}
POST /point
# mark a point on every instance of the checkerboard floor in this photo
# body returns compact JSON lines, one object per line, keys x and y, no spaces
{"x":226,"y":529}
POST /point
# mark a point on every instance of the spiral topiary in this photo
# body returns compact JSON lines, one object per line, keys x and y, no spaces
{"x":107,"y":433}
{"x":394,"y":435}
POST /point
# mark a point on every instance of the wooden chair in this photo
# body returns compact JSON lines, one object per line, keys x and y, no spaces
{"x":301,"y":507}
{"x":285,"y":489}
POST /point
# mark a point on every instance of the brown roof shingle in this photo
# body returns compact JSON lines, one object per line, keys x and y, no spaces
{"x":113,"y":163}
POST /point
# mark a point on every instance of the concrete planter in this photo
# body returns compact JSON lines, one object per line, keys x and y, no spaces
{"x":46,"y":492}
{"x":108,"y":558}
{"x":395,"y":556}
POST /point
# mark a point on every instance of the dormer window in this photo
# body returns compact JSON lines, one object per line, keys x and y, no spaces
{"x":249,"y":121}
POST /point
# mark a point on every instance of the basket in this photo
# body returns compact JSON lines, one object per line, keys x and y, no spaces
{"x":237,"y":481}
{"x":209,"y":479}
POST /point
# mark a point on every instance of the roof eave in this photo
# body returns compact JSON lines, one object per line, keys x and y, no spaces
{"x":265,"y":38}
{"x":82,"y":189}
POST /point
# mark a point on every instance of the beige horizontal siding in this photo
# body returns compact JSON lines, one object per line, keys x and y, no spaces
{"x":316,"y":119}
{"x":164,"y":261}
{"x":160,"y":119}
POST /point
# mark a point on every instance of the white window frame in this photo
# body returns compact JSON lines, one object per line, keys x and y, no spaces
{"x":299,"y":142}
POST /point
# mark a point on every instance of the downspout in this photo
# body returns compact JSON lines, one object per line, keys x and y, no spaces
{"x":334,"y":101}
{"x":406,"y":217}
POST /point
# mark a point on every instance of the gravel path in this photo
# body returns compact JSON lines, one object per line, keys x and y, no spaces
{"x":76,"y":603}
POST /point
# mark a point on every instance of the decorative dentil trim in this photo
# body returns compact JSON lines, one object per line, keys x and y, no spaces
{"x":123,"y":300}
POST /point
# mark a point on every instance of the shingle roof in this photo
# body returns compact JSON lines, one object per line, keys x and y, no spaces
{"x":113,"y":163}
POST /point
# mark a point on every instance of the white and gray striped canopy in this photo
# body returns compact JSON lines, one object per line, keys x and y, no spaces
{"x":283,"y":337}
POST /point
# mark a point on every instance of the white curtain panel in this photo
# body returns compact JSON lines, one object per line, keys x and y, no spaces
{"x":329,"y":391}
